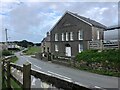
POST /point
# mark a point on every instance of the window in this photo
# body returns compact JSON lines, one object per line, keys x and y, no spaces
{"x":80,"y":35}
{"x":71,"y":36}
{"x":56,"y":48}
{"x":56,"y":37}
{"x":98,"y":35}
{"x":62,"y":36}
{"x":80,"y":47}
{"x":66,"y":36}
{"x":44,"y":49}
{"x":47,"y":49}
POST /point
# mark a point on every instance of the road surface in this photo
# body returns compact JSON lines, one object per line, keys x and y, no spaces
{"x":78,"y":76}
{"x":0,"y":76}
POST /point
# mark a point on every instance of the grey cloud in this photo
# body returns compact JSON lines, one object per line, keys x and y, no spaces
{"x":41,"y":17}
{"x":104,"y":14}
{"x":22,"y":18}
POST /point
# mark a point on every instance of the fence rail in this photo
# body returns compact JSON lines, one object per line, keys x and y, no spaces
{"x":99,"y":44}
{"x":7,"y":75}
{"x":27,"y":72}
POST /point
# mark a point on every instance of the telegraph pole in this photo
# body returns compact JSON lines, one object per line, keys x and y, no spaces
{"x":6,"y":38}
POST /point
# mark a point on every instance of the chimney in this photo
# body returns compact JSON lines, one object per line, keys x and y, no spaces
{"x":48,"y":33}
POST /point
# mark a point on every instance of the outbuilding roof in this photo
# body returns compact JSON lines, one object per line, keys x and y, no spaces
{"x":113,"y":27}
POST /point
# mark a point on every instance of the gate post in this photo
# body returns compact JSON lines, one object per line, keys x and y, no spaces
{"x":8,"y":74}
{"x":26,"y":76}
{"x":3,"y":74}
{"x":49,"y":56}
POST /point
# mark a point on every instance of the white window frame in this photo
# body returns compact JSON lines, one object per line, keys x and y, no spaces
{"x":66,"y":36}
{"x":98,"y":35}
{"x":62,"y":36}
{"x":56,"y":48}
{"x":71,"y":36}
{"x":56,"y":37}
{"x":80,"y":35}
{"x":79,"y":47}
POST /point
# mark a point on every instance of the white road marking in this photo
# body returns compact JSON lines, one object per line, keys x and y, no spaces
{"x":81,"y":84}
{"x":33,"y":81}
{"x":37,"y":66}
{"x":59,"y":75}
{"x":29,"y":61}
{"x":41,"y":72}
{"x":68,"y":80}
{"x":97,"y":87}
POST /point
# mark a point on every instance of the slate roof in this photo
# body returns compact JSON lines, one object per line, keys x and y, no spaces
{"x":93,"y":22}
{"x":113,"y":27}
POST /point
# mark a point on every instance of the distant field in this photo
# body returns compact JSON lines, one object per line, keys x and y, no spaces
{"x":32,"y":50}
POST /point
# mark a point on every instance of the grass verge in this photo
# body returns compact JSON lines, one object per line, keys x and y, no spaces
{"x":32,"y":50}
{"x":15,"y":85}
{"x":101,"y":72}
{"x":14,"y":59}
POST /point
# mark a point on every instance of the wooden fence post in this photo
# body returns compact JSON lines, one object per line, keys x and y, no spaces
{"x":3,"y":74}
{"x":26,"y":76}
{"x":8,"y":74}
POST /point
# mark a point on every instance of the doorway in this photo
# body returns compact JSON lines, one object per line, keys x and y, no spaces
{"x":67,"y":50}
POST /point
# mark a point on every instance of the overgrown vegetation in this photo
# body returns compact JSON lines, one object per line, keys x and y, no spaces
{"x":32,"y":50}
{"x":5,"y":53}
{"x":15,"y":85}
{"x":105,"y":62}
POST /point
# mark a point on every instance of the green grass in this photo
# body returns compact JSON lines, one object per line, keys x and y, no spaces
{"x":4,"y":86}
{"x":32,"y":50}
{"x":14,"y":59}
{"x":0,"y":60}
{"x":15,"y":85}
{"x":101,"y":72}
{"x":107,"y":59}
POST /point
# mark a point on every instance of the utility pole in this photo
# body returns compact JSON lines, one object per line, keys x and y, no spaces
{"x":6,"y":38}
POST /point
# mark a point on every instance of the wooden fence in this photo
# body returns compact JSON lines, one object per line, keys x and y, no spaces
{"x":7,"y":75}
{"x":27,"y":72}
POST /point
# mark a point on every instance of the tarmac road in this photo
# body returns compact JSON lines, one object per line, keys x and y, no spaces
{"x":84,"y":78}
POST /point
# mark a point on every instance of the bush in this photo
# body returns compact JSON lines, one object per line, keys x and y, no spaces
{"x":6,"y":53}
{"x":108,"y":59}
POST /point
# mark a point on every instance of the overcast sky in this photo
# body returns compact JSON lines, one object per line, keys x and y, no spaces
{"x":28,"y":20}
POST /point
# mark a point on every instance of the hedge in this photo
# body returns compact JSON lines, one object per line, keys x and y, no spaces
{"x":105,"y":58}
